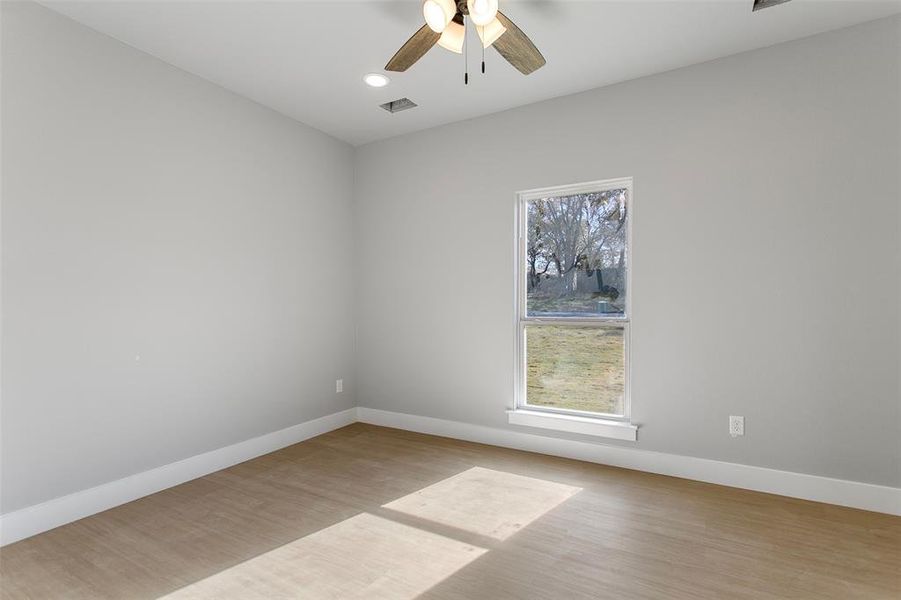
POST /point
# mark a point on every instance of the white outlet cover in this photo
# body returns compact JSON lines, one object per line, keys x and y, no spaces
{"x":736,"y":426}
{"x":339,"y":386}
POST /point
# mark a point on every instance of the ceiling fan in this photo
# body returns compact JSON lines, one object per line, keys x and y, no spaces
{"x":446,"y":26}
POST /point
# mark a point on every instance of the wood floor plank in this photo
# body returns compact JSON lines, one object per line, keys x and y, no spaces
{"x":624,"y":535}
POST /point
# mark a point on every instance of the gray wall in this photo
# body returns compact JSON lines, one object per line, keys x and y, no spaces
{"x":774,"y":173}
{"x":148,"y":212}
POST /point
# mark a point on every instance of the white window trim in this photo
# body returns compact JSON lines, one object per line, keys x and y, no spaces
{"x":618,"y":430}
{"x":610,"y":426}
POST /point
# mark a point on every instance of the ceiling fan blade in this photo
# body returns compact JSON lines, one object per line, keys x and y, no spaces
{"x":415,"y":48}
{"x":517,"y":48}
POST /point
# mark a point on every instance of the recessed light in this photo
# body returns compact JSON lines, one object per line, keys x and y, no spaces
{"x":376,"y":80}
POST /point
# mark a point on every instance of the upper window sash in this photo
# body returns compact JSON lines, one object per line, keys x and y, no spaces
{"x":524,"y":198}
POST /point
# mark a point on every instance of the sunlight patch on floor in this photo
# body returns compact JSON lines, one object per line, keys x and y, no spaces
{"x":483,"y":501}
{"x":362,"y":557}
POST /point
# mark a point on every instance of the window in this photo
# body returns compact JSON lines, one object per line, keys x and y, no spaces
{"x":573,"y":300}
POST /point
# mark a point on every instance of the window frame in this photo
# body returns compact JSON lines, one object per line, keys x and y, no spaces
{"x":523,"y":320}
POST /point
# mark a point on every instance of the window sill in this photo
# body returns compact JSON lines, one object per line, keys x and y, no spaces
{"x":572,"y":424}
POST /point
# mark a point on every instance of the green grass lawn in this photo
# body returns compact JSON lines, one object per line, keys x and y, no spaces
{"x":577,"y":368}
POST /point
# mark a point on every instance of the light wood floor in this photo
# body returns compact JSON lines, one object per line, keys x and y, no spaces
{"x":311,"y":521}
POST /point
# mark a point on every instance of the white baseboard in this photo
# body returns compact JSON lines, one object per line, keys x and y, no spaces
{"x":35,"y":519}
{"x":854,"y":494}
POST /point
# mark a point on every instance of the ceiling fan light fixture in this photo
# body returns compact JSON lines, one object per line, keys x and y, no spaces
{"x":438,"y":13}
{"x":513,"y":45}
{"x":491,"y":32}
{"x":452,"y":38}
{"x":482,"y":12}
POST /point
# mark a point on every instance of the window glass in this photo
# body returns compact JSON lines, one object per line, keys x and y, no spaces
{"x":576,"y":368}
{"x":576,"y":255}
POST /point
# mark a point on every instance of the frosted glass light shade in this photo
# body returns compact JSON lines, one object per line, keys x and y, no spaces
{"x":438,"y":13}
{"x":376,"y":80}
{"x":452,"y":38}
{"x":482,"y":12}
{"x":491,"y":32}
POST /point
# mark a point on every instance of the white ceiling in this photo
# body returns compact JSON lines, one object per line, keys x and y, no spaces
{"x":306,"y":59}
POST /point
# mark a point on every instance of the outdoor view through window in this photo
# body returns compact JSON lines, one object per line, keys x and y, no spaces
{"x":575,"y":326}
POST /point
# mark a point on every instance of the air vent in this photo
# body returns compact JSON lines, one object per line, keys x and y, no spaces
{"x":398,"y":105}
{"x":761,"y":4}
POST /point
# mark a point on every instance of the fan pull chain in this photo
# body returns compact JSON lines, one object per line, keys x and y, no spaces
{"x":483,"y":49}
{"x":465,"y":55}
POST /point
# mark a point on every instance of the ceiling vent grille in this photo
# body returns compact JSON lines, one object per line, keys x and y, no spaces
{"x":761,"y":4}
{"x":398,"y":105}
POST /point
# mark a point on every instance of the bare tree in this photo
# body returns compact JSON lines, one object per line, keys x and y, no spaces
{"x":535,"y":247}
{"x":584,"y":232}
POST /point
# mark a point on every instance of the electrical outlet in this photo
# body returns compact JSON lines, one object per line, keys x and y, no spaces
{"x":736,"y":426}
{"x":339,"y":386}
